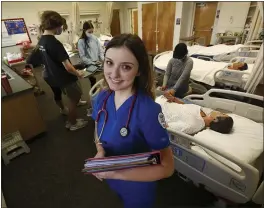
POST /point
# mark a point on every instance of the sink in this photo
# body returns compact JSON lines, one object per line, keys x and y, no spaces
{"x":9,"y":77}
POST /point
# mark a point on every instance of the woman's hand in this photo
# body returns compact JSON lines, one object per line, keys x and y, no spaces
{"x":103,"y":175}
{"x":170,"y":92}
{"x":80,"y":74}
{"x":163,"y":88}
{"x":99,"y":154}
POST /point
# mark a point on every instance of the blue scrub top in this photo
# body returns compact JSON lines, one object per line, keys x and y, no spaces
{"x":146,"y":132}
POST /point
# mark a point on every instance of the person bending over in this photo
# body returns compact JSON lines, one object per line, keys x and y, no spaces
{"x":178,"y":72}
{"x":191,"y":118}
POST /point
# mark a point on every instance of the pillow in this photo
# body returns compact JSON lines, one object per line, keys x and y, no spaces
{"x":245,"y":142}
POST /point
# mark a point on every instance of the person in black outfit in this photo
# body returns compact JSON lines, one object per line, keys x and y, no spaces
{"x":35,"y":60}
{"x":58,"y":72}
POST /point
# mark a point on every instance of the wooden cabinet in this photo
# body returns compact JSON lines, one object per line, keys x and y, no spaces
{"x":21,"y":113}
{"x":158,"y":25}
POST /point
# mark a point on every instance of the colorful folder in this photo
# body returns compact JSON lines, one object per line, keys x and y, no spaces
{"x":95,"y":165}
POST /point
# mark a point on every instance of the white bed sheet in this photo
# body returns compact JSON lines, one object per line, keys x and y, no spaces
{"x":213,"y":50}
{"x":203,"y":71}
{"x":245,"y":142}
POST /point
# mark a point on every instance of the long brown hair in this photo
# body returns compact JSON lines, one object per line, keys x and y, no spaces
{"x":144,"y":81}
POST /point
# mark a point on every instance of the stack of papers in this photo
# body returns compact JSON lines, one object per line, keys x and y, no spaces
{"x":94,"y":165}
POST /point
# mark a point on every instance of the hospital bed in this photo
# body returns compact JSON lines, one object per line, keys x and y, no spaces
{"x":229,"y":166}
{"x":223,"y":52}
{"x":209,"y":72}
{"x":220,"y":52}
{"x":104,"y":39}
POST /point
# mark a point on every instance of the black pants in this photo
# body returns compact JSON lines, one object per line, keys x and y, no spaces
{"x":57,"y":93}
{"x":92,"y":80}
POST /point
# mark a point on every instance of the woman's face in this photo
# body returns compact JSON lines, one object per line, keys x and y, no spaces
{"x":89,"y":31}
{"x":213,"y":117}
{"x":120,"y":68}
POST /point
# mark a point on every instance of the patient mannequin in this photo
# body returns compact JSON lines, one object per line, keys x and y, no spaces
{"x":191,"y":118}
{"x":241,"y":66}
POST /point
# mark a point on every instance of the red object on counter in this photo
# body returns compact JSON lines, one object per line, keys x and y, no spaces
{"x":5,"y":84}
{"x":16,"y":61}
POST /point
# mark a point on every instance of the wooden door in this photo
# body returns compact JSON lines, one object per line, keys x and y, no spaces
{"x":149,"y":14}
{"x":204,"y":21}
{"x":115,"y":24}
{"x":135,"y":21}
{"x":165,"y":25}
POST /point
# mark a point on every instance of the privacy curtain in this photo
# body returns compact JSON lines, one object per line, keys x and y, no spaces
{"x":109,"y":15}
{"x":256,"y":74}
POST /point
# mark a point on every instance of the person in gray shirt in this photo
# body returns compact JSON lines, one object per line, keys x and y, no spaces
{"x":178,"y":72}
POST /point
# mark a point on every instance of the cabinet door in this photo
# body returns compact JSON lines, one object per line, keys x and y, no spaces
{"x":165,"y":26}
{"x":149,"y":12}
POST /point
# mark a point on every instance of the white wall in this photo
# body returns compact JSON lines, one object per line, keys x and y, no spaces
{"x":127,"y":21}
{"x":177,"y":28}
{"x":187,"y":19}
{"x":236,"y":10}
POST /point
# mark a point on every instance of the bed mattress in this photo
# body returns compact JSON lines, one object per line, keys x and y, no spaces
{"x":245,"y":142}
{"x":203,"y":71}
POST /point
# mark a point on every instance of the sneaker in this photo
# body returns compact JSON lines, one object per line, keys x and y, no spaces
{"x":89,"y":112}
{"x":79,"y":124}
{"x":64,"y":111}
{"x":68,"y":124}
{"x":82,"y":102}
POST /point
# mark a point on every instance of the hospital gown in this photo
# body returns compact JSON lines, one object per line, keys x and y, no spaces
{"x":183,"y":117}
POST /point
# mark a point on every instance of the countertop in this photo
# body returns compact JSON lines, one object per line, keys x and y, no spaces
{"x":17,"y":83}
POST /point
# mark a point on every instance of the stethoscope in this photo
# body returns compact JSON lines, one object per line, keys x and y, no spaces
{"x":124,"y":131}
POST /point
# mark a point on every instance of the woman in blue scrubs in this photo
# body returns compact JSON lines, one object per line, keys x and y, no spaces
{"x":131,"y":92}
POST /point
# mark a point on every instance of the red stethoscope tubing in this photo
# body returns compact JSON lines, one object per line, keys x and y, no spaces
{"x":103,"y":110}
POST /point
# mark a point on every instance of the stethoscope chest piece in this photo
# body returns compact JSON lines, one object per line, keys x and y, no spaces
{"x":123,"y":131}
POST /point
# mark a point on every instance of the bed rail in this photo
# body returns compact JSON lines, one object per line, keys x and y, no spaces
{"x":160,"y":54}
{"x":231,"y":77}
{"x":248,"y":60}
{"x":248,"y":51}
{"x":98,"y":86}
{"x":248,"y":176}
{"x":210,"y":100}
{"x":254,"y":41}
